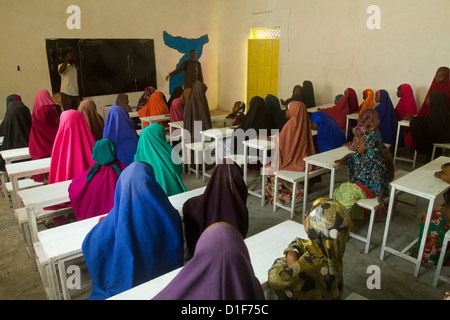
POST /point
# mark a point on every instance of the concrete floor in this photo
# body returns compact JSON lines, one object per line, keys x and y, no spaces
{"x":18,"y":279}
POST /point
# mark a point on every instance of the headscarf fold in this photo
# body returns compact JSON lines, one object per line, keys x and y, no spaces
{"x":339,"y":112}
{"x":121,"y":101}
{"x":93,"y":119}
{"x":197,"y":109}
{"x":45,"y":121}
{"x":407,"y":103}
{"x":368,"y":102}
{"x":352,"y":100}
{"x":330,"y":135}
{"x":156,"y":106}
{"x":308,"y":94}
{"x":225,"y":275}
{"x":225,"y":199}
{"x":140,"y":239}
{"x":278,"y":116}
{"x":120,"y":130}
{"x":318,"y":273}
{"x":43,"y":98}
{"x":154,"y":150}
{"x":86,"y":200}
{"x":388,"y":119}
{"x":368,"y":168}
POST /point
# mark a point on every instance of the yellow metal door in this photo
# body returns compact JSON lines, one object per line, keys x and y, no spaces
{"x":262,"y":68}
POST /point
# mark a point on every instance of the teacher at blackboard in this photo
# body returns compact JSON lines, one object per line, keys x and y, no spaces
{"x":70,"y":97}
{"x":192,"y":70}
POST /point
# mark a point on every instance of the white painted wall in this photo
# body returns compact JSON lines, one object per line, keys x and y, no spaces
{"x":328,"y":42}
{"x":25,"y":24}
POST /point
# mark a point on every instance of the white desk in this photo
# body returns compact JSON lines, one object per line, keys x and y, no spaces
{"x":63,"y":243}
{"x":265,"y":146}
{"x":12,"y":155}
{"x":20,"y":170}
{"x":133,"y":114}
{"x":323,"y":160}
{"x":324,"y":106}
{"x":178,"y":126}
{"x":421,"y":183}
{"x":218,"y":134}
{"x":403,"y":123}
{"x":263,"y":249}
{"x":152,"y":119}
{"x":351,"y":116}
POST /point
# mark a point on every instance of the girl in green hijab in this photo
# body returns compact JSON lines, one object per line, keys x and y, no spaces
{"x":154,"y":150}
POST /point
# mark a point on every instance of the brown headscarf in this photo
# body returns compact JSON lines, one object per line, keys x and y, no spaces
{"x":121,"y":101}
{"x":93,"y":119}
{"x":197,"y":109}
{"x":295,"y":140}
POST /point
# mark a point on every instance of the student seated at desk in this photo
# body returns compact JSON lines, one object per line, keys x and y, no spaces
{"x":71,"y":153}
{"x":367,"y":175}
{"x":17,"y":127}
{"x":313,"y":269}
{"x":293,"y":144}
{"x":120,"y":130}
{"x":368,"y":97}
{"x":154,"y":150}
{"x":339,"y":112}
{"x":44,"y":126}
{"x":238,"y":113}
{"x":296,"y":96}
{"x":156,"y":106}
{"x":406,"y":104}
{"x":9,"y":99}
{"x":225,"y":199}
{"x":329,"y":134}
{"x":196,"y":109}
{"x":219,"y":270}
{"x":441,"y":83}
{"x":93,"y":119}
{"x":86,"y":200}
{"x":308,"y":94}
{"x":140,"y":239}
{"x":278,"y":116}
{"x":432,"y":128}
{"x":352,"y":99}
{"x":176,"y":111}
{"x":123,"y":102}
{"x":439,"y":226}
{"x":176,"y":93}
{"x":388,"y":118}
{"x":143,"y":100}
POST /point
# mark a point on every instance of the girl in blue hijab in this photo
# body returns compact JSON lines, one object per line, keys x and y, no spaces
{"x":140,"y":239}
{"x":388,"y":118}
{"x":329,"y":132}
{"x":119,"y":129}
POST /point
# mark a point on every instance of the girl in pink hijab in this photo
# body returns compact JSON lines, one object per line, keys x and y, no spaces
{"x":72,"y":150}
{"x":407,"y":103}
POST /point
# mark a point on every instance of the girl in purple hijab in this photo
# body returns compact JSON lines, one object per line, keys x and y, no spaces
{"x":87,"y":201}
{"x":219,"y":270}
{"x":225,"y":199}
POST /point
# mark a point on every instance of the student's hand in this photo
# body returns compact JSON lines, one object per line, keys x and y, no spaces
{"x":408,"y":117}
{"x":167,"y":78}
{"x":446,"y":296}
{"x":382,"y":204}
{"x":341,"y":162}
{"x":282,"y":101}
{"x":438,"y":174}
{"x":291,"y":258}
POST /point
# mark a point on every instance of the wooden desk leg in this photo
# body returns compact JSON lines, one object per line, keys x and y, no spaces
{"x":396,"y":143}
{"x":32,"y":224}
{"x":332,"y":178}
{"x":53,"y":282}
{"x":15,"y":189}
{"x":263,"y":182}
{"x":346,"y":129}
{"x":424,"y":238}
{"x":388,"y":221}
{"x":305,"y":189}
{"x":63,"y":278}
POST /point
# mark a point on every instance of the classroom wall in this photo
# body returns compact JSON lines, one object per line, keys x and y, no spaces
{"x":25,"y":25}
{"x":328,"y":42}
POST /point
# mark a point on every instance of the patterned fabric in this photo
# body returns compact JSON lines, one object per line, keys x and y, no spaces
{"x":317,"y":274}
{"x":284,"y":191}
{"x":348,"y":194}
{"x":368,"y":168}
{"x":436,"y":233}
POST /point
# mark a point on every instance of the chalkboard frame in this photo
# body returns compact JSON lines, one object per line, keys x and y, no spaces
{"x":105,"y":66}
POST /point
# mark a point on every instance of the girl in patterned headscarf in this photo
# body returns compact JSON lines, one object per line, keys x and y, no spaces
{"x":238,"y":113}
{"x":313,"y":269}
{"x":367,"y":174}
{"x":143,"y":100}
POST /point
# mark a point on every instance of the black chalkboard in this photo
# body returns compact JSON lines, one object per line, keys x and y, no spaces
{"x":105,"y":66}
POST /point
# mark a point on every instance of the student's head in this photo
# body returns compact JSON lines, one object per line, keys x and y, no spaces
{"x":68,"y":55}
{"x":399,"y":91}
{"x":441,"y":74}
{"x":337,"y":98}
{"x":236,"y":107}
{"x":297,"y":90}
{"x":192,"y":54}
{"x":313,"y":125}
{"x":377,"y":96}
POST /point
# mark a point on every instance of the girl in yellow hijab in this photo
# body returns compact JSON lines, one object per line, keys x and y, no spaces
{"x":368,"y":96}
{"x":312,"y":269}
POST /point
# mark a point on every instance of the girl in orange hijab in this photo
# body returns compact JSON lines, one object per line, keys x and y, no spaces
{"x":368,"y":96}
{"x":156,"y":106}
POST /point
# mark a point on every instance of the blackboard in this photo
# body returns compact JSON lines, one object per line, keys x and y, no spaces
{"x":105,"y":66}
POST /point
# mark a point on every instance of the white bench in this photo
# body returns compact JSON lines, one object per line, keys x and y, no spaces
{"x":263,"y":249}
{"x":199,"y":149}
{"x":23,"y":184}
{"x":438,"y":275}
{"x":445,"y":146}
{"x":61,"y":244}
{"x":295,"y":178}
